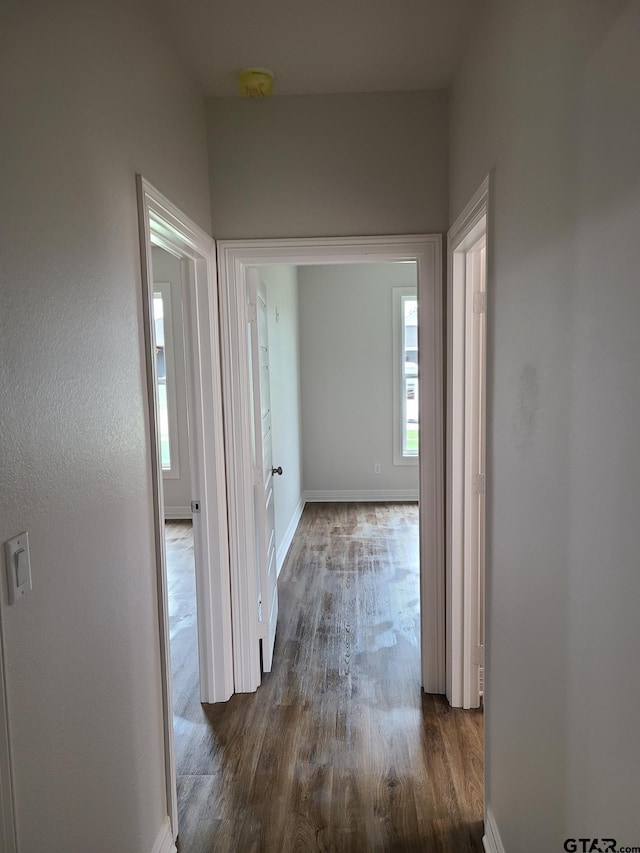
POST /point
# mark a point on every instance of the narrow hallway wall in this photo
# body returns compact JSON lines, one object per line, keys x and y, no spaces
{"x":548,"y":97}
{"x":86,"y":89}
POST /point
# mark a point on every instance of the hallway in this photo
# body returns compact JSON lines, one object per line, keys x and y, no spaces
{"x":338,"y":750}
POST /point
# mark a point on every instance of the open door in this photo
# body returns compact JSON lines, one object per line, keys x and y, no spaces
{"x":264,"y":513}
{"x":474,"y":472}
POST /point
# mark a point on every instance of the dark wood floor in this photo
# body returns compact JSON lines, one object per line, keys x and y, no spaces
{"x":338,"y":750}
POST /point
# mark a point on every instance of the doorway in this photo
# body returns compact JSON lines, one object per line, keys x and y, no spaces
{"x":236,"y":258}
{"x":335,"y":367}
{"x":164,"y":226}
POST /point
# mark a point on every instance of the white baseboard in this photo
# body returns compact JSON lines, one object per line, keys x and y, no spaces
{"x":491,"y":839}
{"x":164,"y":841}
{"x":287,"y":539}
{"x":175,"y":513}
{"x":361,"y":495}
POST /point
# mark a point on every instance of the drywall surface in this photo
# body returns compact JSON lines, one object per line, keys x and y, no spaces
{"x":604,"y":576}
{"x":548,"y":96}
{"x":329,"y":165}
{"x":85,"y":88}
{"x":346,"y":336}
{"x":281,"y":283}
{"x":177,"y":490}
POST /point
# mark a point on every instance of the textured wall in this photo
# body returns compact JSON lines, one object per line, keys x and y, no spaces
{"x":548,"y":96}
{"x":86,"y":88}
{"x":329,"y":165}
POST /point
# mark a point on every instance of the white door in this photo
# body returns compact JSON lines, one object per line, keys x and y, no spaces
{"x":264,"y":513}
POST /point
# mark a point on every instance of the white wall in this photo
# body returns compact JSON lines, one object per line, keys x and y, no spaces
{"x":86,"y":88}
{"x":346,"y":336}
{"x":549,"y":96}
{"x":281,"y":283}
{"x":329,"y":165}
{"x":177,"y":490}
{"x":604,"y":571}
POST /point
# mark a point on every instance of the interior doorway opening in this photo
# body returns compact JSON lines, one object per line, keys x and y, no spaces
{"x":236,"y":260}
{"x":164,"y":226}
{"x":334,"y":396}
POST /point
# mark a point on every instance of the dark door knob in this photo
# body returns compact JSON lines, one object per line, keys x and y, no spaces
{"x":277,"y":470}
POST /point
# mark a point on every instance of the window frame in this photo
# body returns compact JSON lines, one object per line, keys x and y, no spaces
{"x":163,"y":289}
{"x":400,"y":456}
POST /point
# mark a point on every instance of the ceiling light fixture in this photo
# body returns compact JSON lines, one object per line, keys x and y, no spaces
{"x":255,"y":82}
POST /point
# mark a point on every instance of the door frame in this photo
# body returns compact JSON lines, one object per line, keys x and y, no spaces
{"x":462,"y":586}
{"x":164,"y":225}
{"x":234,"y":258}
{"x":8,"y":835}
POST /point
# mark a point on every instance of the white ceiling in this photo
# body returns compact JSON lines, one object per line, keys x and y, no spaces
{"x":318,"y":46}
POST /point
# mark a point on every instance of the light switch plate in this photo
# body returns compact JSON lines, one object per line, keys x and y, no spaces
{"x":18,"y":564}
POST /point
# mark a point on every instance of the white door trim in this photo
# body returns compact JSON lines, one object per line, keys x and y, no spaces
{"x":164,"y":840}
{"x":472,"y":223}
{"x":234,"y":257}
{"x":491,"y":839}
{"x":162,"y":224}
{"x":8,"y":839}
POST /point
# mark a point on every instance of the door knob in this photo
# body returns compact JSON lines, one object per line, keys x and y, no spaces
{"x":277,"y":470}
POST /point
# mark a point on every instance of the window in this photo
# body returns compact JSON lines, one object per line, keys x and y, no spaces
{"x":165,"y":378}
{"x":405,"y":376}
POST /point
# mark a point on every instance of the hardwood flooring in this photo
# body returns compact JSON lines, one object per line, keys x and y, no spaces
{"x":339,"y":750}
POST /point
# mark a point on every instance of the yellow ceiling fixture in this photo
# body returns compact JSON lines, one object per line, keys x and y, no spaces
{"x":255,"y":82}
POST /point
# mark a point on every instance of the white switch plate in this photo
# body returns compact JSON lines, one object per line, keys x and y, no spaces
{"x":377,"y":468}
{"x":18,"y":562}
